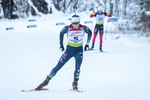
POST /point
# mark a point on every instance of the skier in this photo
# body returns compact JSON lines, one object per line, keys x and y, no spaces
{"x":99,"y":26}
{"x":75,"y":34}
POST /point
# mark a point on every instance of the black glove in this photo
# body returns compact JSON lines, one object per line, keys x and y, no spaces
{"x":86,"y":48}
{"x":61,"y":48}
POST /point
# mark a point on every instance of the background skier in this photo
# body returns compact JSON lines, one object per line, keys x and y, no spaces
{"x":99,"y":26}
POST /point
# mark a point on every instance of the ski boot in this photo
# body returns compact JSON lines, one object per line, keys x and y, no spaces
{"x":75,"y":85}
{"x":92,"y":46}
{"x":100,"y":48}
{"x":44,"y":83}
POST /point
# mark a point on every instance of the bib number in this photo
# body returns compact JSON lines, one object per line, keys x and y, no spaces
{"x":76,"y":39}
{"x":100,"y":19}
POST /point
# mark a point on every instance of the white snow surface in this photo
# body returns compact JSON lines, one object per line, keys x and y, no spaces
{"x":28,"y":55}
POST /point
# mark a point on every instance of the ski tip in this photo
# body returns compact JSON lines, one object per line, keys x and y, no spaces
{"x":28,"y":90}
{"x":46,"y":88}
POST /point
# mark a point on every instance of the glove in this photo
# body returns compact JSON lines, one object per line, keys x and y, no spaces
{"x":86,"y":48}
{"x":108,"y":14}
{"x":61,"y":48}
{"x":93,"y":13}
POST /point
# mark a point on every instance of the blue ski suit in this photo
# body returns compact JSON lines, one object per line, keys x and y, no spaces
{"x":74,"y":48}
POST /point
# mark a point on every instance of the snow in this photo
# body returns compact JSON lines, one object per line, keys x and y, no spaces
{"x":27,"y":56}
{"x":147,"y":12}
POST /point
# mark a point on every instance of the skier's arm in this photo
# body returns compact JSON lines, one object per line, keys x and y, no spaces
{"x":92,"y":15}
{"x":61,"y":37}
{"x":107,"y":14}
{"x":62,"y":32}
{"x":89,"y":32}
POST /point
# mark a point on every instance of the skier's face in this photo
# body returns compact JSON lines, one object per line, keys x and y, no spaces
{"x":75,"y":25}
{"x":100,"y":12}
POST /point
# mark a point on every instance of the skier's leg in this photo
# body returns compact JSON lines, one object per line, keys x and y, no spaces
{"x":101,"y":38}
{"x":95,"y":34}
{"x":101,"y":41}
{"x":78,"y":60}
{"x":64,"y":58}
{"x":94,"y":37}
{"x":44,"y":83}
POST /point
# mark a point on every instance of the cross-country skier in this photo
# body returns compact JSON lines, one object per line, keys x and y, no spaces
{"x":75,"y":34}
{"x":99,"y":26}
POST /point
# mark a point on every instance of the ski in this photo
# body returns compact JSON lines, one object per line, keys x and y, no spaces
{"x":92,"y":49}
{"x":103,"y":51}
{"x":31,"y":90}
{"x":76,"y":90}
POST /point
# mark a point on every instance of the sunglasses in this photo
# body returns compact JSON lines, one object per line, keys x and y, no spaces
{"x":75,"y":23}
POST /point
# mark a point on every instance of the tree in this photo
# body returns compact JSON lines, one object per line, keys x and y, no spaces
{"x":7,"y":6}
{"x":111,"y":6}
{"x":104,"y":5}
{"x":145,"y":18}
{"x":116,"y":11}
{"x":1,"y":10}
{"x":124,"y":7}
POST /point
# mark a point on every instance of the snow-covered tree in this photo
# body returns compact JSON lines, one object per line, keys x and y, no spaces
{"x":21,"y":8}
{"x":1,"y":10}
